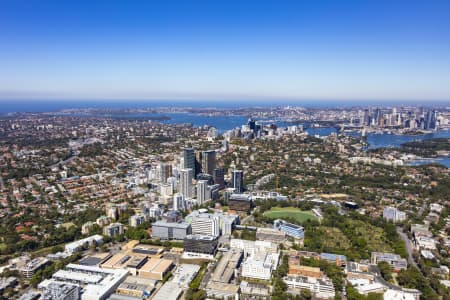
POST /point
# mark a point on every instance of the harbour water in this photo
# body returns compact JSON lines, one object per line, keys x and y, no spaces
{"x":223,"y":123}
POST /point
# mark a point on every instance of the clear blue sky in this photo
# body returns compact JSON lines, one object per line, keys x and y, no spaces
{"x":364,"y":49}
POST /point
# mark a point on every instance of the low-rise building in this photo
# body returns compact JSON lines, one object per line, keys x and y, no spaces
{"x":184,"y":274}
{"x":392,"y":294}
{"x":136,"y":220}
{"x":136,"y":287}
{"x":95,"y":283}
{"x":200,"y":246}
{"x":170,"y":290}
{"x":339,"y":260}
{"x":320,"y":287}
{"x":7,"y":282}
{"x":113,"y":229}
{"x":226,"y":267}
{"x":292,"y":230}
{"x":60,"y":290}
{"x":260,"y":265}
{"x":87,"y":227}
{"x":424,"y":242}
{"x":219,"y":290}
{"x":249,"y":289}
{"x":392,"y":259}
{"x":271,"y":235}
{"x":155,"y":269}
{"x":31,"y":267}
{"x":240,"y":202}
{"x":392,"y":214}
{"x":304,"y":271}
{"x":77,"y":246}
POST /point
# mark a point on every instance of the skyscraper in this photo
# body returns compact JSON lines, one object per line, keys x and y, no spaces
{"x":189,"y":159}
{"x":186,"y":176}
{"x":208,"y":161}
{"x":238,"y":181}
{"x":366,"y":117}
{"x":430,"y":120}
{"x":218,"y":176}
{"x":252,"y":124}
{"x":165,"y":171}
{"x":203,"y":193}
{"x":178,"y":202}
{"x":378,"y":116}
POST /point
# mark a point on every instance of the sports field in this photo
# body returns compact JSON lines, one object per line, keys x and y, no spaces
{"x":289,"y":212}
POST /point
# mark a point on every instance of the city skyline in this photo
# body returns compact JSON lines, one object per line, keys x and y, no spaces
{"x":377,"y":51}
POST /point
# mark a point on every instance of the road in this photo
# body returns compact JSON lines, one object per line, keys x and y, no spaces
{"x":250,"y":218}
{"x":409,"y":247}
{"x":73,"y":155}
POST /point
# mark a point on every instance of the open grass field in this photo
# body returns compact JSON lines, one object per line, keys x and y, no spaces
{"x":289,"y":212}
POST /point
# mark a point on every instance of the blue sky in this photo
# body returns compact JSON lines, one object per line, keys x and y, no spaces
{"x":357,"y":50}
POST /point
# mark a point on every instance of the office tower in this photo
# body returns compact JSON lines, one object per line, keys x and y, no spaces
{"x":378,"y":116}
{"x":186,"y":176}
{"x":198,"y":163}
{"x":208,"y":161}
{"x":178,"y":202}
{"x":252,"y":124}
{"x":238,"y":181}
{"x":366,"y":120}
{"x":207,"y":177}
{"x":430,"y":120}
{"x":218,"y":176}
{"x":203,"y":193}
{"x":189,"y":159}
{"x":165,"y":171}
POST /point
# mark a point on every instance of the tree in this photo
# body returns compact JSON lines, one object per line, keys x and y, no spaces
{"x":385,"y":270}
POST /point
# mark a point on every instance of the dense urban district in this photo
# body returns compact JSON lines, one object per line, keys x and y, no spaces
{"x":98,"y":206}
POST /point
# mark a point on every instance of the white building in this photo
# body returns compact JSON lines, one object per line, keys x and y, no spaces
{"x":113,"y":229}
{"x":184,"y":274}
{"x":60,"y":290}
{"x":261,"y":258}
{"x":186,"y":187}
{"x":400,"y":295}
{"x":203,"y":193}
{"x":76,"y":246}
{"x":96,"y":283}
{"x":178,"y":202}
{"x":320,"y":287}
{"x":424,"y":242}
{"x":253,"y":247}
{"x":227,"y":223}
{"x":436,"y":207}
{"x":136,"y":220}
{"x":392,"y":214}
{"x":260,"y":265}
{"x":154,"y":211}
{"x":170,"y":290}
{"x":204,"y":223}
{"x":87,"y":227}
{"x":166,"y":190}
